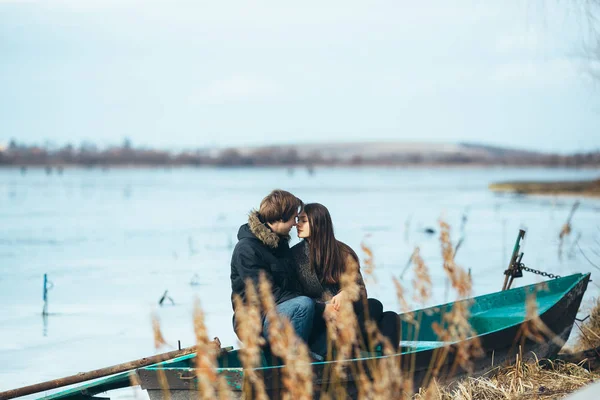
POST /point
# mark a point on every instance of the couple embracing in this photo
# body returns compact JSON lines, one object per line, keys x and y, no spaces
{"x":306,"y":279}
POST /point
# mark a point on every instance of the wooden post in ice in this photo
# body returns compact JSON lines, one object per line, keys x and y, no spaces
{"x":47,"y":286}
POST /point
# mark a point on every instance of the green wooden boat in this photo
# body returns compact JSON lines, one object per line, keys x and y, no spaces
{"x":497,"y":318}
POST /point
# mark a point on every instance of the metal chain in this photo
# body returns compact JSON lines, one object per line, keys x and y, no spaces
{"x":535,"y":271}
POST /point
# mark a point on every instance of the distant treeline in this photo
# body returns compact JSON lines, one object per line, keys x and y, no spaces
{"x":16,"y":154}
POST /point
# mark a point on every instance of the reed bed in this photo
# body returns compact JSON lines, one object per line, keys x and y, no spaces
{"x":518,"y":381}
{"x":386,"y":377}
{"x":589,"y":330}
{"x":521,"y":380}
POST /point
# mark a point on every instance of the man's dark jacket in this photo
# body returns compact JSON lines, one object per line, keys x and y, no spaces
{"x":261,"y":249}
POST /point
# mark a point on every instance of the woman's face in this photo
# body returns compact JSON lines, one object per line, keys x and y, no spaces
{"x":303,"y":226}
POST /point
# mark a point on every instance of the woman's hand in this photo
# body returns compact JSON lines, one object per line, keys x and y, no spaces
{"x":330,"y":312}
{"x":337,"y":300}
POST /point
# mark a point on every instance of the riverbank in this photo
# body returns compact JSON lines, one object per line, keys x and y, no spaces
{"x":589,"y":188}
{"x":542,"y":380}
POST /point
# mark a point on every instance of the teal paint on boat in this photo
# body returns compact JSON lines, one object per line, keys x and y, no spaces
{"x":493,"y":316}
{"x":93,"y":388}
{"x":491,"y":312}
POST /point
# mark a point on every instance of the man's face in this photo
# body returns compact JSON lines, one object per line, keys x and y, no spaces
{"x":283,"y":227}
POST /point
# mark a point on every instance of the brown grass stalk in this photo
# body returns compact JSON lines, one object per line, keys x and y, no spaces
{"x":406,"y":364}
{"x":566,"y":229}
{"x":160,"y":341}
{"x":455,"y":326}
{"x":344,"y":336}
{"x":223,"y":389}
{"x":589,"y":337}
{"x":404,"y":306}
{"x":368,"y":262}
{"x":134,"y":381}
{"x":163,"y":383}
{"x":517,"y":381}
{"x":285,"y":344}
{"x":422,"y":279}
{"x":388,"y":377}
{"x":249,"y":320}
{"x":206,"y":357}
{"x":534,"y":328}
{"x":459,"y":278}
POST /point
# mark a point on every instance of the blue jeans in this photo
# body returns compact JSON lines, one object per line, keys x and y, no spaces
{"x":318,"y":343}
{"x":300,"y":311}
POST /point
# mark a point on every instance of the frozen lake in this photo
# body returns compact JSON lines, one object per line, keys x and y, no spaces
{"x":113,"y":241}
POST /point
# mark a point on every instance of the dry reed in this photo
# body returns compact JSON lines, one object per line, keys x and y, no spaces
{"x":455,"y":326}
{"x":160,"y":341}
{"x":368,"y":262}
{"x":404,"y":306}
{"x":517,"y":381}
{"x":223,"y":389}
{"x":388,"y":379}
{"x":249,"y":321}
{"x":383,"y":378}
{"x":285,"y":344}
{"x":422,"y":279}
{"x":343,"y":334}
{"x":134,"y":381}
{"x":589,"y":335}
{"x":459,"y":278}
{"x":206,"y":357}
{"x":566,"y":229}
{"x":534,"y":328}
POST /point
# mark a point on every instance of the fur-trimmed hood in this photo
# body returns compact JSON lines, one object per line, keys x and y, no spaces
{"x":262,"y":231}
{"x":261,"y":251}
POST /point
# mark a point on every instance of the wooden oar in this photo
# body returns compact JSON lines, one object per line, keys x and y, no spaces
{"x":98,"y":373}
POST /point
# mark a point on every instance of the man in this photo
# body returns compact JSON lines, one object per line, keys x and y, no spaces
{"x":263,"y":246}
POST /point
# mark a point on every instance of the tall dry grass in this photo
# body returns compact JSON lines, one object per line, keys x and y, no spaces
{"x":206,"y":358}
{"x":343,"y":334}
{"x":368,"y":267}
{"x":589,"y":334}
{"x":520,"y":380}
{"x":455,"y":326}
{"x":566,"y":229}
{"x":422,"y":279}
{"x":249,"y":320}
{"x":391,"y":376}
{"x":285,"y":344}
{"x":159,"y":341}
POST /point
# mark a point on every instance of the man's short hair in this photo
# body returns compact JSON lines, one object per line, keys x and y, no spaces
{"x":279,"y":205}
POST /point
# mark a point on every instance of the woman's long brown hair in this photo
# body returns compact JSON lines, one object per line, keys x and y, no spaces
{"x":326,"y":254}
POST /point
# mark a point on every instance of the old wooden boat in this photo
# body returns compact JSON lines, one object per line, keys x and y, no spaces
{"x":497,"y":318}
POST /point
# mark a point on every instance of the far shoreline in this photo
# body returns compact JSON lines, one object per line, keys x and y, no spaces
{"x":108,"y":167}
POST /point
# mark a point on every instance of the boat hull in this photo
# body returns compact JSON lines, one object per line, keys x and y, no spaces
{"x":499,"y":347}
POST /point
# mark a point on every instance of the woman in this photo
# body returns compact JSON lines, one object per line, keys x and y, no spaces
{"x":321,"y":260}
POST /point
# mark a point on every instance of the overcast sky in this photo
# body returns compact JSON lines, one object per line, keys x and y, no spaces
{"x":177,"y":74}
